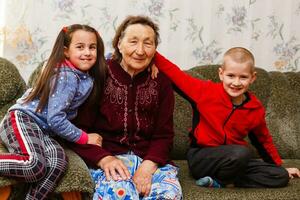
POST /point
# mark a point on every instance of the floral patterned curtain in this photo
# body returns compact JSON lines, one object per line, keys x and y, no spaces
{"x":193,"y":32}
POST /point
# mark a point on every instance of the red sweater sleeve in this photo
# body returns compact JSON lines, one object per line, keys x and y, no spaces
{"x":264,"y":137}
{"x":189,"y":85}
{"x":162,"y":137}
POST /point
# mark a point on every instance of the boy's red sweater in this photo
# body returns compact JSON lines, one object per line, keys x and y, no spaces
{"x":220,"y":122}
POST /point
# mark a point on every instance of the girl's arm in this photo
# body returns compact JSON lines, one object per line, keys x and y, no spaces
{"x":189,"y":85}
{"x":59,"y":107}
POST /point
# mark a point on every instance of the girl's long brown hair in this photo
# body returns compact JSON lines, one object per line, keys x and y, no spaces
{"x":98,"y":72}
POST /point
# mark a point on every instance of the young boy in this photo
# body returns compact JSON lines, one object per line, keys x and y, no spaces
{"x":218,"y":154}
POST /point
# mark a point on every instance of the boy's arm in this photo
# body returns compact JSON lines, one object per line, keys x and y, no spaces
{"x":262,"y":140}
{"x":189,"y":85}
{"x":293,"y":172}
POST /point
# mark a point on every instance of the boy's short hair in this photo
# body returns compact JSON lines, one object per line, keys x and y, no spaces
{"x":240,"y":55}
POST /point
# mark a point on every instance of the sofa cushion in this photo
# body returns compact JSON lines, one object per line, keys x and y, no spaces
{"x":283,"y":113}
{"x":3,"y":180}
{"x":76,"y":178}
{"x":34,"y":75}
{"x":182,"y":124}
{"x":192,"y":191}
{"x":12,"y":85}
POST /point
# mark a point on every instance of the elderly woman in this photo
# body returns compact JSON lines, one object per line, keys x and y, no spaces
{"x":135,"y":119}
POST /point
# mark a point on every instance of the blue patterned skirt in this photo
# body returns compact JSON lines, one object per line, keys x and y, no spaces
{"x":165,"y":184}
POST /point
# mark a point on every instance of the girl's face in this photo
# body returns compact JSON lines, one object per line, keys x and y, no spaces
{"x":137,"y":48}
{"x":82,"y":51}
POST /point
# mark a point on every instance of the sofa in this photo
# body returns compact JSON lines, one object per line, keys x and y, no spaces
{"x":279,"y":92}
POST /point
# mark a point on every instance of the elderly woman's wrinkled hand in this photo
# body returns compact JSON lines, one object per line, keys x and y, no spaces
{"x":114,"y":168}
{"x":143,"y":177}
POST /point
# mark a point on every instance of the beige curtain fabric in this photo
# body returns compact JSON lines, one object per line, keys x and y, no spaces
{"x":193,"y":32}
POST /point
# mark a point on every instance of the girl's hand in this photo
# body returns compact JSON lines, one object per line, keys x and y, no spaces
{"x":293,"y":172}
{"x":154,"y":71}
{"x":94,"y":138}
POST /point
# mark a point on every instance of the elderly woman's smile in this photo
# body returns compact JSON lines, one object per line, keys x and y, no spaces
{"x":137,"y":47}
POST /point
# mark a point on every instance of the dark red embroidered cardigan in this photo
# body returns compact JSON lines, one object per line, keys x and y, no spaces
{"x":136,"y":115}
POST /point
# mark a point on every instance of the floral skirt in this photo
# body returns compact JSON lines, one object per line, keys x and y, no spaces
{"x":165,"y":184}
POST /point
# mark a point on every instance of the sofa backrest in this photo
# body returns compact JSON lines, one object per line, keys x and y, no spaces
{"x":12,"y":85}
{"x":280,"y":94}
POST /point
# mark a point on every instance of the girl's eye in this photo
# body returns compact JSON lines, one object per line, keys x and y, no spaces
{"x":93,"y":47}
{"x":79,"y":47}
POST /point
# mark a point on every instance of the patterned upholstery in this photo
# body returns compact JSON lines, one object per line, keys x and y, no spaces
{"x":12,"y":85}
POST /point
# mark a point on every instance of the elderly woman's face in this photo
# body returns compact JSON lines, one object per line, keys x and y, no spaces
{"x":137,"y":48}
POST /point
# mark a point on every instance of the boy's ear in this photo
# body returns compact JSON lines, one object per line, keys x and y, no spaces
{"x":221,"y":73}
{"x":253,"y":77}
{"x":66,"y":52}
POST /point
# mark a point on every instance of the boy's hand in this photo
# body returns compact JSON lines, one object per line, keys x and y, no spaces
{"x":94,"y":138}
{"x":293,"y":172}
{"x":154,"y":71}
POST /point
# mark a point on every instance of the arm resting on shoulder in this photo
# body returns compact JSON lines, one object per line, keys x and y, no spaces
{"x":186,"y":83}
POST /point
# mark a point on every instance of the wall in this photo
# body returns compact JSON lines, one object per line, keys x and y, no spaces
{"x":193,"y":32}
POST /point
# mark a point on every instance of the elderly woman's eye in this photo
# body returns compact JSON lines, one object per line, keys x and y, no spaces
{"x":133,"y":41}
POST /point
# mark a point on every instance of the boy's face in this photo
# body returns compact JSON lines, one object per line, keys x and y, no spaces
{"x":236,"y":78}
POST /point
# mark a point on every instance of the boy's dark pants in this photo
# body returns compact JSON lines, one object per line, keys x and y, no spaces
{"x":234,"y":164}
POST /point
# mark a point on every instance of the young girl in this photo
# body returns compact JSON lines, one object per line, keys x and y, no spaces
{"x":77,"y":60}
